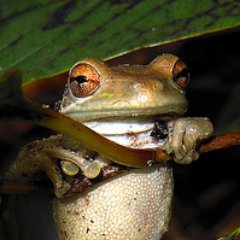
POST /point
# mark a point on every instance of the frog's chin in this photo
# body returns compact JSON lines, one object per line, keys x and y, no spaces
{"x":131,"y":132}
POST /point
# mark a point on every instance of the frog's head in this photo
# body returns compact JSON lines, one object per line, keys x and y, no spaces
{"x":96,"y":91}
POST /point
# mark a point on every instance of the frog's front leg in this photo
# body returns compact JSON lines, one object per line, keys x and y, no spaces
{"x":184,"y":135}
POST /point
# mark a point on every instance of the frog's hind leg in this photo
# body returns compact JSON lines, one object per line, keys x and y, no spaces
{"x":34,"y":158}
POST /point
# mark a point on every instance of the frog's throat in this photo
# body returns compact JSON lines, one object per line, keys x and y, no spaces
{"x":130,"y":132}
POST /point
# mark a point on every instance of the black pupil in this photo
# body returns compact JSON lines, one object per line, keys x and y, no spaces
{"x":81,"y":79}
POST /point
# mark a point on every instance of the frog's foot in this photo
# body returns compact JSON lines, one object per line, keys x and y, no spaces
{"x":184,"y":135}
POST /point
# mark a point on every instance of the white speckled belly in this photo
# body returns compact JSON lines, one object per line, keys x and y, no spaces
{"x":133,"y":206}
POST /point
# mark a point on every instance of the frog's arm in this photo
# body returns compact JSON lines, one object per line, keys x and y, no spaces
{"x":184,"y":135}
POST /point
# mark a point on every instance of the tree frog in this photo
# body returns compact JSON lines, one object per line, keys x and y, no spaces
{"x":138,"y":107}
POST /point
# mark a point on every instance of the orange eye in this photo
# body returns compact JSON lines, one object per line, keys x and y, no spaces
{"x":84,"y":80}
{"x":181,"y":75}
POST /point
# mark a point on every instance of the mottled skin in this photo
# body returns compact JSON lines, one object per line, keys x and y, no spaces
{"x":123,"y":104}
{"x":135,"y":205}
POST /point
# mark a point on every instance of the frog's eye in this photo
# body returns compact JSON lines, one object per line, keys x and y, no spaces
{"x":181,"y":74}
{"x":84,"y":80}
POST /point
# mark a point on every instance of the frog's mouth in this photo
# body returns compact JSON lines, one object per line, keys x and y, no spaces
{"x":167,"y":112}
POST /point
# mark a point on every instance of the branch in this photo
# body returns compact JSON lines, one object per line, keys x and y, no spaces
{"x":215,"y":143}
{"x":220,"y":142}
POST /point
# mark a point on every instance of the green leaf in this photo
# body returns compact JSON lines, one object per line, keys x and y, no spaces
{"x":232,"y":236}
{"x":45,"y":37}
